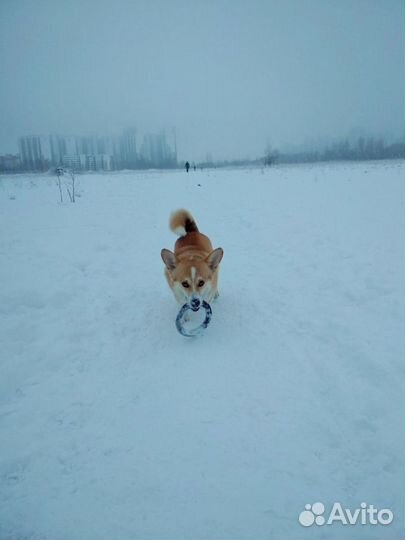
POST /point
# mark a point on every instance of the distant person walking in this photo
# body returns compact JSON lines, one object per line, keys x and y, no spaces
{"x":187,"y":166}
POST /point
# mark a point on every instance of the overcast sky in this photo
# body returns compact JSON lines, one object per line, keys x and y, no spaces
{"x":230,"y":75}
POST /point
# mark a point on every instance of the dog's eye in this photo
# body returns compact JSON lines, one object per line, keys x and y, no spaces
{"x":185,"y":284}
{"x":201,"y":283}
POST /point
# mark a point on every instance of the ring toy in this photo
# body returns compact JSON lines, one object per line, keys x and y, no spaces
{"x":194,"y":331}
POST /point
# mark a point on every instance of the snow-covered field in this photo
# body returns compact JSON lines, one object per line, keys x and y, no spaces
{"x":113,"y":426}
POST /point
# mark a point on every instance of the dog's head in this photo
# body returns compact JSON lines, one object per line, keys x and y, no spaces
{"x":192,"y":279}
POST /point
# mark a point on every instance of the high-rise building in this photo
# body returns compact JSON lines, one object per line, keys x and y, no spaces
{"x":35,"y":152}
{"x":58,"y":149}
{"x":128,"y":155}
{"x":98,"y":153}
{"x":157,"y":152}
{"x":86,"y":145}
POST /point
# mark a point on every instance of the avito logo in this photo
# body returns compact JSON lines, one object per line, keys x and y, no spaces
{"x":365,"y":515}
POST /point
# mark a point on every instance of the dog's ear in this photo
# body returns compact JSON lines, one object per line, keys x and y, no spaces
{"x":214,"y":258}
{"x":169,"y":259}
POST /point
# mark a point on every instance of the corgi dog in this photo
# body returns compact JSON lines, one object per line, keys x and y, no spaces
{"x":192,"y":270}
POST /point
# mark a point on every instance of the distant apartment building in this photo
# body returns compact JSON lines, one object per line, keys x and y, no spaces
{"x":39,"y":153}
{"x":128,"y":158}
{"x":156,"y":151}
{"x":72,"y":161}
{"x":31,"y":153}
{"x":96,"y":153}
{"x":57,"y":149}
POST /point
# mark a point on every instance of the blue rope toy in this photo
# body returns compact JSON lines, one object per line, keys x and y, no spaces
{"x":194,"y":331}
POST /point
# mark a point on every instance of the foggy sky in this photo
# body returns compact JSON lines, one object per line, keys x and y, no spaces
{"x":230,"y":75}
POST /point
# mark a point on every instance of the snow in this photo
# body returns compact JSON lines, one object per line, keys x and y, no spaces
{"x":112,"y":425}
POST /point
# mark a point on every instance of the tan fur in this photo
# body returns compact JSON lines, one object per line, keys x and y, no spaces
{"x":192,"y":262}
{"x":178,"y":220}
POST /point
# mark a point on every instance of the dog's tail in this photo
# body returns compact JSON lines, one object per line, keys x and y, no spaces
{"x":182,"y":222}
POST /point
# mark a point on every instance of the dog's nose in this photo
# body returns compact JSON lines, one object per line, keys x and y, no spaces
{"x":195,"y":303}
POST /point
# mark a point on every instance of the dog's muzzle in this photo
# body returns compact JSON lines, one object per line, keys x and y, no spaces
{"x":195,"y":304}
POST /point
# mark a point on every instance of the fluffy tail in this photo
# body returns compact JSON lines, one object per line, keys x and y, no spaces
{"x":182,"y":222}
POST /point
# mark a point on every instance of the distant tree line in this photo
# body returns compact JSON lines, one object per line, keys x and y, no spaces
{"x":366,"y":148}
{"x":271,"y":156}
